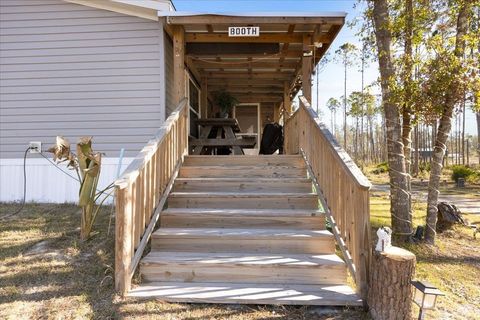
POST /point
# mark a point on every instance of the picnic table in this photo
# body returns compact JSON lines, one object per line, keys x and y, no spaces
{"x":224,"y":130}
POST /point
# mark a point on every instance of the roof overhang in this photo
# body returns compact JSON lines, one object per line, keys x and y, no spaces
{"x":259,"y":65}
{"x":147,"y":9}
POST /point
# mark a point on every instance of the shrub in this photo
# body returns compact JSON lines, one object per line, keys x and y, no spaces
{"x":380,"y":168}
{"x":424,"y":167}
{"x":461,"y":171}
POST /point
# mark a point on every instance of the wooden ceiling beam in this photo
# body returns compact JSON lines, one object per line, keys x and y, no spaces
{"x":262,"y":38}
{"x":245,"y":82}
{"x":246,"y":75}
{"x":285,"y":47}
{"x":258,"y":99}
{"x":288,"y":54}
{"x":246,"y":64}
{"x":229,"y":48}
{"x":235,"y":90}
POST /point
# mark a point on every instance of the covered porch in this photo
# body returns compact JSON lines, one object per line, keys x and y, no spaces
{"x":222,"y":217}
{"x":263,"y":70}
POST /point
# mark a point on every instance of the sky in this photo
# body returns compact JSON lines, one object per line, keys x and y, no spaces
{"x":331,"y":78}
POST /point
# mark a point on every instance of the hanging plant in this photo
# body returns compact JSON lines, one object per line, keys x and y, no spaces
{"x":225,"y":102}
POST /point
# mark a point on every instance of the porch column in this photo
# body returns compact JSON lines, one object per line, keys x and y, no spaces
{"x":178,"y":63}
{"x":287,"y":105}
{"x":276,"y":112}
{"x":307,"y":67}
{"x":204,"y":97}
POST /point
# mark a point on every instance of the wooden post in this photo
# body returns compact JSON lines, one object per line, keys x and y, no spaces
{"x":390,"y":293}
{"x":123,"y":241}
{"x":178,"y":63}
{"x":287,"y":104}
{"x":307,"y":68}
{"x":204,"y":97}
{"x":276,"y":112}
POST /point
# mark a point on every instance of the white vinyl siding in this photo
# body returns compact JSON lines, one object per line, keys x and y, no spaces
{"x":72,"y":70}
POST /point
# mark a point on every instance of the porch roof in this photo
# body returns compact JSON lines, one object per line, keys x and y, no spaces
{"x":255,"y":69}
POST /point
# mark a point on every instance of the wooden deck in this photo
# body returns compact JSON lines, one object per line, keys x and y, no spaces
{"x":244,"y":230}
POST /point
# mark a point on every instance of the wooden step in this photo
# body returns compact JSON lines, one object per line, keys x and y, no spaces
{"x":242,"y":172}
{"x":263,"y":185}
{"x":276,"y":294}
{"x":242,"y":218}
{"x":231,"y":160}
{"x":243,"y":240}
{"x":243,"y":268}
{"x":236,"y":200}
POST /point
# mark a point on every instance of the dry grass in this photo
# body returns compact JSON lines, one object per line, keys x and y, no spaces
{"x":46,"y":273}
{"x":453,"y":264}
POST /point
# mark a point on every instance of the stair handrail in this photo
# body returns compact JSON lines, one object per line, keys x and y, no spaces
{"x":341,"y":186}
{"x":142,"y":190}
{"x":336,"y":232}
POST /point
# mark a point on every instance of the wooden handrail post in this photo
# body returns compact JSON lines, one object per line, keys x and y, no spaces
{"x":123,"y":240}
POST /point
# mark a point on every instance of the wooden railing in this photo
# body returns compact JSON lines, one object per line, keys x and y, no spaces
{"x":341,"y":186}
{"x":142,"y":190}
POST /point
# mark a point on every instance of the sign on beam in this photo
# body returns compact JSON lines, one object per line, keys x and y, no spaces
{"x":243,"y":31}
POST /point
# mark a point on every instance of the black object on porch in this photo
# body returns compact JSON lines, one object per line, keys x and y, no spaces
{"x":272,"y":139}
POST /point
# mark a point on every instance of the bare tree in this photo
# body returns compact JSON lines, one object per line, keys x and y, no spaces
{"x":333,"y":105}
{"x":346,"y":54}
{"x":478,"y":136}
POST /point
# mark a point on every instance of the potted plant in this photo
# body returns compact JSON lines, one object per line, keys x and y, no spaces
{"x":225,"y":102}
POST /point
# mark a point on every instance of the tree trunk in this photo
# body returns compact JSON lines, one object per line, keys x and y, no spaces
{"x":445,"y":127}
{"x":372,"y":141}
{"x":362,"y":113}
{"x":345,"y":108}
{"x":399,"y":197}
{"x":390,"y":291}
{"x":463,"y":130}
{"x":355,"y":144}
{"x":478,"y":136}
{"x":417,"y":153}
{"x":408,"y":104}
{"x":331,"y":121}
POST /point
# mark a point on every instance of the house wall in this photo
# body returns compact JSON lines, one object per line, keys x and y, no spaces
{"x":73,"y":70}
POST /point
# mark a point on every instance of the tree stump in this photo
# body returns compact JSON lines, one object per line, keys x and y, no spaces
{"x":389,"y":292}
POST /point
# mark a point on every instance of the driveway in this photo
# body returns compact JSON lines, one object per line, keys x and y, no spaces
{"x":466,"y":203}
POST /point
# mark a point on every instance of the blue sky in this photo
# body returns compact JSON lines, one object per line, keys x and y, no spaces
{"x":330,"y":82}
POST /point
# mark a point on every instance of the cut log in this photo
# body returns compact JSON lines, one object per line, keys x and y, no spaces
{"x":390,"y":294}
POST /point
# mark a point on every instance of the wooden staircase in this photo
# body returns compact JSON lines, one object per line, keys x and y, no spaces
{"x":244,"y":229}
